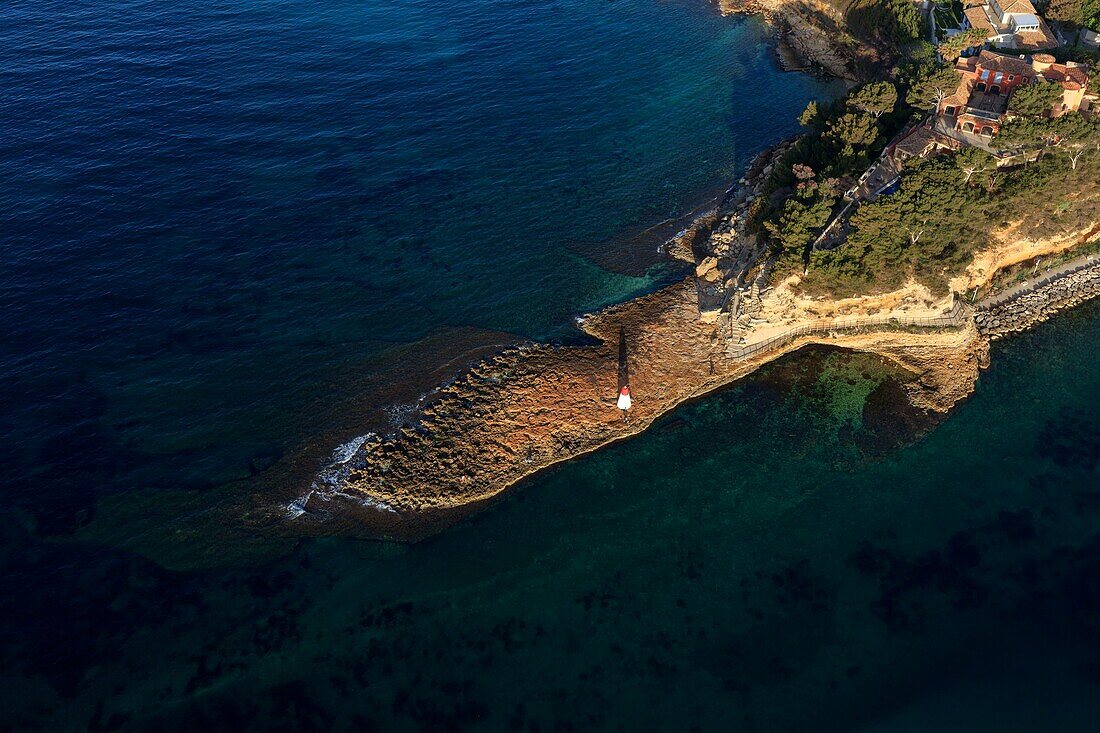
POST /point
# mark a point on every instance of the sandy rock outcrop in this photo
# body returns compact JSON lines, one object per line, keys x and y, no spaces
{"x":533,"y":407}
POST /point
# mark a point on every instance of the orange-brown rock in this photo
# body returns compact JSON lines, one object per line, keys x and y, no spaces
{"x":535,"y":406}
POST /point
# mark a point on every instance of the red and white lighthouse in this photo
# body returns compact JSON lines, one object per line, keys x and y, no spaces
{"x":624,"y":398}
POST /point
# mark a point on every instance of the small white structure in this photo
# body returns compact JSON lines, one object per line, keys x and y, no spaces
{"x":1009,"y":24}
{"x":624,"y":398}
{"x":1023,"y":22}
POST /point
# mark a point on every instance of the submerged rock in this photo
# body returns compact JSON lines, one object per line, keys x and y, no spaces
{"x":555,"y":403}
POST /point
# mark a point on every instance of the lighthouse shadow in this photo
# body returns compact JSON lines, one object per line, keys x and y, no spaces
{"x":624,"y":366}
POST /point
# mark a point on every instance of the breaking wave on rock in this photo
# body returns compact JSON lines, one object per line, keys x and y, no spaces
{"x":330,"y":480}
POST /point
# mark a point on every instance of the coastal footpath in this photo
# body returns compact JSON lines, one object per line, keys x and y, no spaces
{"x":1035,"y":301}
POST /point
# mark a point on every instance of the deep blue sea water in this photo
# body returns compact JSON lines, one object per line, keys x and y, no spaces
{"x":223,"y":218}
{"x":235,"y":234}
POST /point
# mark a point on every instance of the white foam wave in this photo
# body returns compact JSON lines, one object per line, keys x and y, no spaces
{"x":402,"y":414}
{"x":368,"y":501}
{"x":344,"y":452}
{"x":331,"y":478}
{"x":297,"y":507}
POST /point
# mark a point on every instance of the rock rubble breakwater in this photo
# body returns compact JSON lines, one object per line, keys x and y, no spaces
{"x":1038,"y":299}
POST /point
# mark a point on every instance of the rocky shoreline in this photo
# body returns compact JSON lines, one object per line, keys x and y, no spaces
{"x":531,"y":407}
{"x":1034,"y":306}
{"x":810,"y":36}
{"x":528,"y":409}
{"x":536,"y":405}
{"x":697,"y":241}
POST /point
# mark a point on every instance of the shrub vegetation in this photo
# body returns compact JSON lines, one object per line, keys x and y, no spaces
{"x":945,"y":208}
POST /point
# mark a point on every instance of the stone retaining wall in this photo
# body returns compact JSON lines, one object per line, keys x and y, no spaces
{"x":1037,"y":305}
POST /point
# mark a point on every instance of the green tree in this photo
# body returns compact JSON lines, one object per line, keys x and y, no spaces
{"x":931,"y":86}
{"x":1071,"y":130}
{"x":925,"y":230}
{"x":895,"y":21}
{"x":854,"y":130}
{"x":876,"y":98}
{"x":972,"y":160}
{"x":810,"y":117}
{"x":1026,"y":133}
{"x":1076,"y":134}
{"x":918,"y":55}
{"x":930,"y":228}
{"x":1034,"y":100}
{"x":1077,"y":12}
{"x":907,"y":23}
{"x":956,"y":44}
{"x":910,"y":24}
{"x":1067,"y":11}
{"x":794,"y":230}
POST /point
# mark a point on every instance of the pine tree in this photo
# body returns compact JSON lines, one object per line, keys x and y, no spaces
{"x":810,"y":117}
{"x":876,"y":98}
{"x":1034,"y":100}
{"x":931,"y":87}
{"x":972,"y":160}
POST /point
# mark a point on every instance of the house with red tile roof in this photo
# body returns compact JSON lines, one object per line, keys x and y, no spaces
{"x":1009,"y":24}
{"x":1072,"y":76}
{"x":986,"y":82}
{"x":920,"y":142}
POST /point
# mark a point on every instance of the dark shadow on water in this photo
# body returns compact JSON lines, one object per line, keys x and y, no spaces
{"x":624,"y":365}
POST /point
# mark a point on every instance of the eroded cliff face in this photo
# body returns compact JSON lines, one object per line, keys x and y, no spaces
{"x":1009,"y":248}
{"x":536,"y":405}
{"x":945,"y":366}
{"x":812,"y":35}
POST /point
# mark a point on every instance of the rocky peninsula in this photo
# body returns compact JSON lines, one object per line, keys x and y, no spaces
{"x":535,"y":405}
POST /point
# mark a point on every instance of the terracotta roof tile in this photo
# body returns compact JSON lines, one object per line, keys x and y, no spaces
{"x":967,"y":65}
{"x":1070,"y":77}
{"x":1018,"y":6}
{"x":1007,"y":64}
{"x":978,"y":19}
{"x":961,"y":95}
{"x":916,"y":142}
{"x":1036,"y":40}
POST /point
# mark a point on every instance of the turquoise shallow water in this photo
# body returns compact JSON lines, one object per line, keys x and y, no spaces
{"x":796,"y":552}
{"x":234,"y":232}
{"x":228,"y":222}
